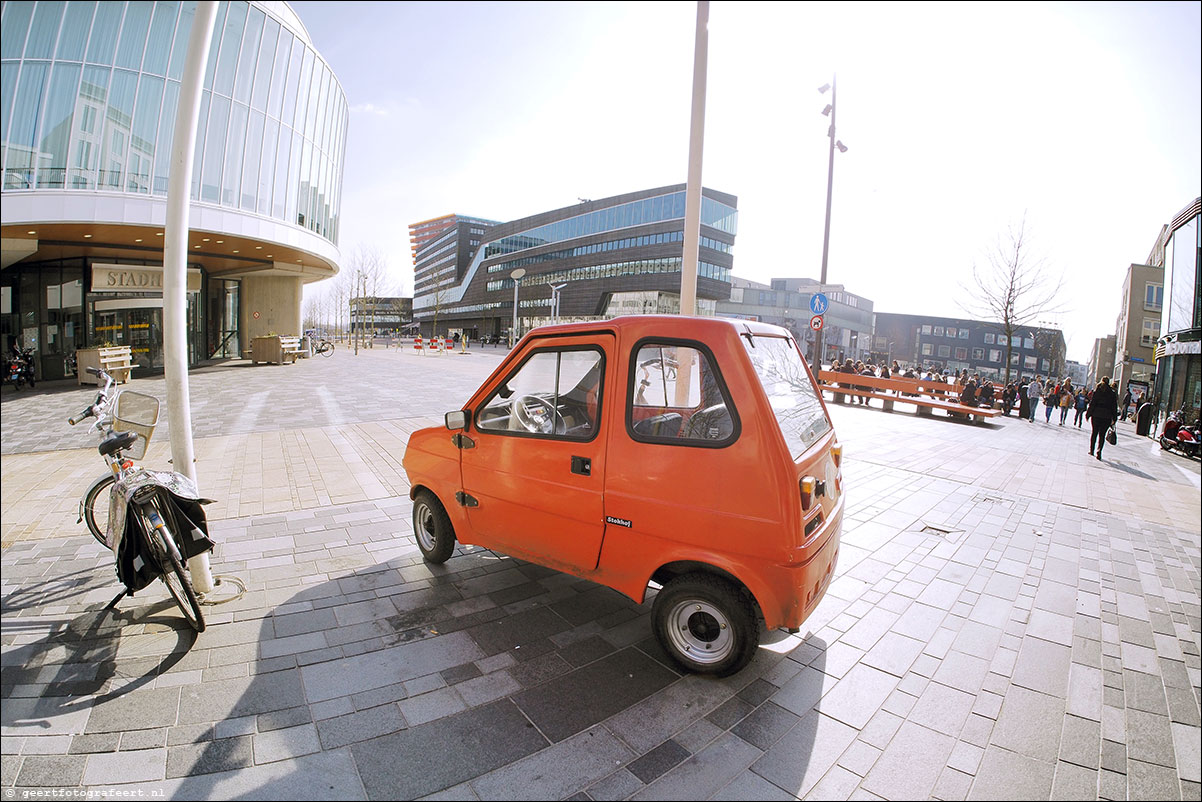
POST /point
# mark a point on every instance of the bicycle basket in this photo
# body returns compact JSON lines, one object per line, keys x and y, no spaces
{"x":138,"y":413}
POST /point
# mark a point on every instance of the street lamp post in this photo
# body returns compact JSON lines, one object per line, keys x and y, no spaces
{"x":830,"y":181}
{"x":555,"y":288}
{"x":517,"y":282}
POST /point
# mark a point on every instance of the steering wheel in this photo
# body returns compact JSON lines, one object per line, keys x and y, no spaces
{"x":537,"y":415}
{"x":711,"y":423}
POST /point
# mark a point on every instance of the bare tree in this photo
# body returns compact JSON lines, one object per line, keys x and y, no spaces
{"x":1014,"y":287}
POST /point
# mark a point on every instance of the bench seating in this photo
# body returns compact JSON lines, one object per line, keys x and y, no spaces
{"x":290,"y":348}
{"x":925,"y":395}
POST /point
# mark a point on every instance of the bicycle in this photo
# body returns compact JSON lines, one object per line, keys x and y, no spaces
{"x":158,"y":503}
{"x":324,"y":347}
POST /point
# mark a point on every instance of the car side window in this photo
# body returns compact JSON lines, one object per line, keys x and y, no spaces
{"x":553,"y":393}
{"x":677,"y":397}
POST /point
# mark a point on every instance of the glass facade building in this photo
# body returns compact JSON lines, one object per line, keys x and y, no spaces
{"x":1179,"y":348}
{"x":599,"y":259}
{"x":88,"y":102}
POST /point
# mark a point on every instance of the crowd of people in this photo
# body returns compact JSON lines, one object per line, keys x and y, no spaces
{"x":1100,"y":406}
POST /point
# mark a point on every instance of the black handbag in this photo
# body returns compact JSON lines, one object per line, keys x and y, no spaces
{"x":1112,"y":436}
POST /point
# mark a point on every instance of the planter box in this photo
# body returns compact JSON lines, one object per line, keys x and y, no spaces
{"x":117,"y":361}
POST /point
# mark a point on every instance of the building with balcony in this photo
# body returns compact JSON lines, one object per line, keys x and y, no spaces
{"x":1137,"y":329}
{"x":955,"y":344}
{"x":1178,"y":352}
{"x":847,"y":322}
{"x":1101,"y":360}
{"x":598,"y":259}
{"x":88,"y":108}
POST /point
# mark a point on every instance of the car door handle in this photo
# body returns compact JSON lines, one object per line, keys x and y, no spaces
{"x":582,"y":466}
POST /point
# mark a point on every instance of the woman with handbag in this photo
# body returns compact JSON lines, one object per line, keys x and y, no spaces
{"x":1102,"y":413}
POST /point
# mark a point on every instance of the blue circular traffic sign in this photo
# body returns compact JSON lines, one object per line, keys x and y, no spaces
{"x":819,"y":303}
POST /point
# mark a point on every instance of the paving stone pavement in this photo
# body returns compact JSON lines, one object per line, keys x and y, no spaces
{"x":1011,"y":619}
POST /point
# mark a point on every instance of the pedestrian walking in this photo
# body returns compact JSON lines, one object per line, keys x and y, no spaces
{"x":1102,"y":413}
{"x":1066,"y":400}
{"x":1081,"y":402}
{"x":1034,"y":391}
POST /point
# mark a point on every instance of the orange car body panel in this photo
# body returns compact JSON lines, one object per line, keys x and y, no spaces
{"x":736,"y":508}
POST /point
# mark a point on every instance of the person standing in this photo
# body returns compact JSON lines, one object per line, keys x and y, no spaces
{"x":1102,"y":413}
{"x":1034,"y":391}
{"x":1127,"y":401}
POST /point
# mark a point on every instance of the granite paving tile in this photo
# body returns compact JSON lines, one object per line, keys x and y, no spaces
{"x":858,"y":696}
{"x":798,"y":760}
{"x":942,"y":709}
{"x":765,"y":725}
{"x":360,"y":725}
{"x":1043,"y":666}
{"x":712,"y":767}
{"x":1074,"y":782}
{"x":659,"y":760}
{"x":910,"y":764}
{"x":1006,"y":775}
{"x":50,"y":771}
{"x":575,"y":701}
{"x":226,"y":754}
{"x":1149,"y":738}
{"x":468,"y":745}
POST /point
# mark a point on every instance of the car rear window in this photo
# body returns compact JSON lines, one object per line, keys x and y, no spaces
{"x":793,"y":397}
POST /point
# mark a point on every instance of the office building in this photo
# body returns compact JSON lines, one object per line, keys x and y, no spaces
{"x":596,"y":259}
{"x":847,"y":320}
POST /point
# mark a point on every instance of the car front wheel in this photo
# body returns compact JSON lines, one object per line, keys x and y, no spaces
{"x":432,"y":527}
{"x":706,"y":624}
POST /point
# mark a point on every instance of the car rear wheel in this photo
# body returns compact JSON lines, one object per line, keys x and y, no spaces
{"x":706,"y":624}
{"x":432,"y":528}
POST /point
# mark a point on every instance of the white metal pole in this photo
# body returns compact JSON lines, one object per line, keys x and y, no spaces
{"x":175,"y":262}
{"x":692,"y":203}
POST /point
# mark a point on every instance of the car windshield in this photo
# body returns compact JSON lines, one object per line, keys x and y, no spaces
{"x":794,"y":400}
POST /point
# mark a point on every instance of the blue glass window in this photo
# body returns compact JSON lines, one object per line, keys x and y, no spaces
{"x":231,"y":44}
{"x":179,"y":49}
{"x":246,"y":60}
{"x":73,"y":38}
{"x":133,"y":35}
{"x":44,"y":30}
{"x":158,"y":46}
{"x":271,"y":35}
{"x":56,"y":125}
{"x":15,"y":29}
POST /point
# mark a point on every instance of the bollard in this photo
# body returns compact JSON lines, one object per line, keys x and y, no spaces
{"x":417,"y":346}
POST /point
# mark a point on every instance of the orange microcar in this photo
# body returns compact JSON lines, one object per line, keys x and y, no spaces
{"x":692,"y":453}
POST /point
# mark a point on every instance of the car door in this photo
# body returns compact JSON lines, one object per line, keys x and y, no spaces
{"x":533,"y":478}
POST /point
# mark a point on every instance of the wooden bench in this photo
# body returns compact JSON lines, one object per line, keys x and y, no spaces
{"x":117,"y":361}
{"x":925,"y":395}
{"x":290,"y":348}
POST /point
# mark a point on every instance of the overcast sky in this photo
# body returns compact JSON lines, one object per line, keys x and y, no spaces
{"x":960,"y":118}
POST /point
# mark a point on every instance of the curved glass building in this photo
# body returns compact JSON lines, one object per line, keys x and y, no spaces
{"x":89,"y":99}
{"x":598,"y":259}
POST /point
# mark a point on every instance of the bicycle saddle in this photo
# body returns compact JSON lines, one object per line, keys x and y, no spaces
{"x":116,"y":441}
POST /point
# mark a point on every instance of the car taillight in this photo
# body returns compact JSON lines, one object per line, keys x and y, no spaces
{"x":808,"y":484}
{"x":837,"y":454}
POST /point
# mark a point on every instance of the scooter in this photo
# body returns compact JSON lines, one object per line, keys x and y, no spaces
{"x":1176,"y":435}
{"x":20,"y":367}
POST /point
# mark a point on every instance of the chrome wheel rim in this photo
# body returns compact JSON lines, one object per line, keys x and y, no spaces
{"x":424,"y":527}
{"x":700,"y":631}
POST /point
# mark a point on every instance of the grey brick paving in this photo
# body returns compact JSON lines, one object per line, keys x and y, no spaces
{"x":1048,"y":646}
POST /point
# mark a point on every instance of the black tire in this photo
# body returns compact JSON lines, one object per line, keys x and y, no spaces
{"x":706,"y":624}
{"x":432,"y":528}
{"x":326,"y":348}
{"x":173,"y":576}
{"x":95,"y":507}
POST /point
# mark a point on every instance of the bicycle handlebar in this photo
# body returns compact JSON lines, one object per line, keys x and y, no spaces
{"x":87,"y":413}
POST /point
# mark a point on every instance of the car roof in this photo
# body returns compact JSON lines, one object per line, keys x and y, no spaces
{"x":638,"y":326}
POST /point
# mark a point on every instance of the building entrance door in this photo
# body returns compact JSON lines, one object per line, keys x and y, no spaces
{"x":138,"y":326}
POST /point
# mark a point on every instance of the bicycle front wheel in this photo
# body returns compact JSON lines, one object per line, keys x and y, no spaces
{"x":95,"y":508}
{"x":327,"y":349}
{"x":154,"y":528}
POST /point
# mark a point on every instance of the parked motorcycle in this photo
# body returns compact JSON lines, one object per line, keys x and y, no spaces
{"x":1176,"y":435}
{"x":20,"y":367}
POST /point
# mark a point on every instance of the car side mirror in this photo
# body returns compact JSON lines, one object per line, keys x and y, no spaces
{"x":458,"y":419}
